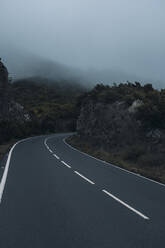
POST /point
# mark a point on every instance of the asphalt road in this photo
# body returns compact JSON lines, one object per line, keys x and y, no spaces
{"x":55,"y":196}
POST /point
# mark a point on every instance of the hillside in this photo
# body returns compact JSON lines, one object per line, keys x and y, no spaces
{"x":13,"y":117}
{"x":51,"y":104}
{"x":125,"y":124}
{"x":37,"y":105}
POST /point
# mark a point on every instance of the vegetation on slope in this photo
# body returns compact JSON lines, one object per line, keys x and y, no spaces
{"x":145,"y":154}
{"x":152,"y":111}
{"x":45,"y":106}
{"x":135,"y":159}
{"x":52,"y":105}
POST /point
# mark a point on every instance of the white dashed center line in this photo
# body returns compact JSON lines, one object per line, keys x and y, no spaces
{"x":105,"y":191}
{"x":56,"y":156}
{"x":66,"y":164}
{"x":85,"y":178}
{"x":126,"y":205}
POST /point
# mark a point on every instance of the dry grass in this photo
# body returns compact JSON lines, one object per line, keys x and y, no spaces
{"x":134,"y":159}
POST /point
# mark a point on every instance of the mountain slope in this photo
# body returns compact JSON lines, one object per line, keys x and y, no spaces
{"x":125,"y":124}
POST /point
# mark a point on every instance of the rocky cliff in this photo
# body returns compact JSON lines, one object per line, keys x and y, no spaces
{"x":9,"y":109}
{"x":124,"y":125}
{"x":111,"y":120}
{"x":108,"y":125}
{"x":4,"y":91}
{"x":13,"y":118}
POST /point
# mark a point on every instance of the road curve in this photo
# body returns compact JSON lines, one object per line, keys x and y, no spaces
{"x":55,"y":196}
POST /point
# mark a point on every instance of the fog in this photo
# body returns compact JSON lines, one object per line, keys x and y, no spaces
{"x":91,"y":40}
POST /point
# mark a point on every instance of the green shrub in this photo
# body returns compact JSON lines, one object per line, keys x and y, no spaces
{"x":151,"y":160}
{"x":132,"y":153}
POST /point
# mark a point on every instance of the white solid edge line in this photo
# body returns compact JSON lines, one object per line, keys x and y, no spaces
{"x":126,"y":205}
{"x":4,"y":177}
{"x":115,"y":166}
{"x":66,"y":164}
{"x":89,"y":181}
{"x":56,"y":156}
{"x":3,"y":180}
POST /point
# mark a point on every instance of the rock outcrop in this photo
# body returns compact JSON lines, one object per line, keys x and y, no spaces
{"x":108,"y":124}
{"x":9,"y":110}
{"x":4,"y":91}
{"x":114,"y":125}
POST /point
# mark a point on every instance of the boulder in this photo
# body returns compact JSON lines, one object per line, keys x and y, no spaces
{"x":108,"y":124}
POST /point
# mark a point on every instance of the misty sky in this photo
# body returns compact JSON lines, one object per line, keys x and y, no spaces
{"x":121,"y":35}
